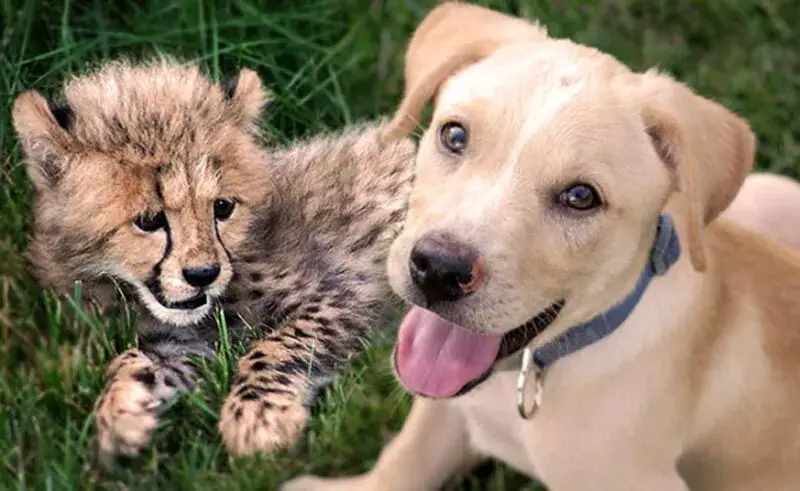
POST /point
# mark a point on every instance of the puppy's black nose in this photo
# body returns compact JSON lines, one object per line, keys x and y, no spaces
{"x":445,"y":269}
{"x":202,"y":276}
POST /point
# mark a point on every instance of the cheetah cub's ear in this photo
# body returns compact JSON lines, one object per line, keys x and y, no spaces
{"x":247,"y":93}
{"x":43,"y":129}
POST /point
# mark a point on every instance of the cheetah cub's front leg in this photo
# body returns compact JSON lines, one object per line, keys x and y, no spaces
{"x":266,"y":409}
{"x":139,"y":382}
{"x":126,"y":413}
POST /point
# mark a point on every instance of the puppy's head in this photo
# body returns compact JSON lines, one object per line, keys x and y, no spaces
{"x":539,"y":184}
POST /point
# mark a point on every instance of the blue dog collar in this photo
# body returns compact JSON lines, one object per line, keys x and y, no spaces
{"x":665,"y":252}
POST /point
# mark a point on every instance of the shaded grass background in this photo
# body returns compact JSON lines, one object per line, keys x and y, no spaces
{"x":329,"y":63}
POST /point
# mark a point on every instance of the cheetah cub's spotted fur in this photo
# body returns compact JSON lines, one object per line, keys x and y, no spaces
{"x":152,"y":177}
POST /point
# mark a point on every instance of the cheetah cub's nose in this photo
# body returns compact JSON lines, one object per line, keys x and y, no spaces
{"x":202,"y":276}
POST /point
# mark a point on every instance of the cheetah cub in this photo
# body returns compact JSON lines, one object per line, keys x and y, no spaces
{"x":151,"y":179}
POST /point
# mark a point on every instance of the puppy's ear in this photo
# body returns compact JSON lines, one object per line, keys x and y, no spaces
{"x":43,"y":129}
{"x":709,"y":149}
{"x":450,"y":37}
{"x":246,"y":92}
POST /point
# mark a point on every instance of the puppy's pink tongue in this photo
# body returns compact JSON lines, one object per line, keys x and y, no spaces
{"x":437,"y":358}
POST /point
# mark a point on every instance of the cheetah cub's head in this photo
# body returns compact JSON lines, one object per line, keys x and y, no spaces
{"x":146,"y":175}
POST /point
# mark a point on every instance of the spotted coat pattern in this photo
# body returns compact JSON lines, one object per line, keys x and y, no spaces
{"x":304,"y":252}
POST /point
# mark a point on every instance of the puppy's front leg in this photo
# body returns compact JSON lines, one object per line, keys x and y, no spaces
{"x":669,"y":481}
{"x":579,"y":475}
{"x":630,"y":480}
{"x":432,"y":446}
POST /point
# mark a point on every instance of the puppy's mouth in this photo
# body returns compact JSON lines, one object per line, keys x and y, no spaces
{"x":437,"y":358}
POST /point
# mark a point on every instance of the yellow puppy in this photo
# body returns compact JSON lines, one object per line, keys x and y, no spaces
{"x":564,"y":208}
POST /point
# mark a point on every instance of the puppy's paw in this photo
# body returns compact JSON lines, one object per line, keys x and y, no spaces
{"x":313,"y":483}
{"x":253,"y":422}
{"x":125,"y":418}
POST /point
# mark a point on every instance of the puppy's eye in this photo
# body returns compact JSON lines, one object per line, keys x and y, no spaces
{"x":223,"y":208}
{"x":150,"y":222}
{"x":579,"y":197}
{"x":453,"y":137}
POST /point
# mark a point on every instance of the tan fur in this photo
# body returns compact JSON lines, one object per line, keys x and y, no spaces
{"x":125,"y":410}
{"x":698,"y":388}
{"x":475,"y":36}
{"x":301,"y":274}
{"x":130,"y":141}
{"x":768,"y":205}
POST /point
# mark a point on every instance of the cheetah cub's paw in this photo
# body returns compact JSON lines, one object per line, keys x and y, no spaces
{"x":264,"y":421}
{"x":127,"y":411}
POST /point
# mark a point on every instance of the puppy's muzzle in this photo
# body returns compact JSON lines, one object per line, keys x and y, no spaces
{"x":444,"y":268}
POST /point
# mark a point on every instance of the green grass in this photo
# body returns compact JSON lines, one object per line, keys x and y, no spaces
{"x":329,"y":62}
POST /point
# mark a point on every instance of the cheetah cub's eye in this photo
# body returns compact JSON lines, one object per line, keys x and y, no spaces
{"x":150,"y":222}
{"x":223,"y":208}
